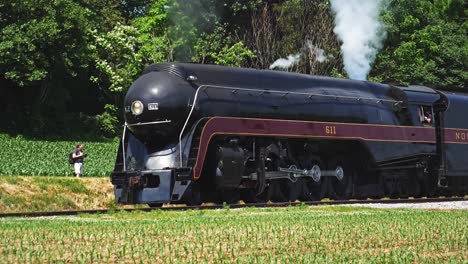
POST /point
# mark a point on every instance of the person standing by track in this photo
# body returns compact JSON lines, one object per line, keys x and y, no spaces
{"x":78,"y":157}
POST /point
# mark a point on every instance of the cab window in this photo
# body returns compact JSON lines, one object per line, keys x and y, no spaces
{"x":426,"y":116}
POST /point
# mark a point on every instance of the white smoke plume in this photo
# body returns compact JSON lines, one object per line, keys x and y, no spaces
{"x":317,"y":52}
{"x":359,"y":29}
{"x":286,"y":63}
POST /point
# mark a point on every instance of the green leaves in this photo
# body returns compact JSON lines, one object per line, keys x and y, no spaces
{"x":20,"y":156}
{"x":234,"y":55}
{"x":219,"y":48}
{"x":67,"y":57}
{"x":115,"y":58}
{"x":36,"y":37}
{"x":427,"y":45}
{"x":108,"y":122}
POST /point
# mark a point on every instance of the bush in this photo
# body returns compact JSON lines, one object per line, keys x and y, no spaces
{"x":107,"y":122}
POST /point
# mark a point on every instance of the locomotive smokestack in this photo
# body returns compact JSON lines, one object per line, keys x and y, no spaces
{"x":361,"y":33}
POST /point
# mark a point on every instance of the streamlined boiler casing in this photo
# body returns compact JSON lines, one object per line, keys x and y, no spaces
{"x":187,"y":124}
{"x":165,"y":102}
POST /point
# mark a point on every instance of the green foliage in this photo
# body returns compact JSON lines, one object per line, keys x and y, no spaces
{"x":45,"y":58}
{"x":295,"y":27}
{"x":218,"y":47}
{"x":285,"y":235}
{"x":50,"y":158}
{"x":426,"y":45}
{"x":152,"y":33}
{"x":182,"y":29}
{"x":37,"y":37}
{"x":240,"y":6}
{"x":209,"y":44}
{"x":234,"y":55}
{"x":115,"y":59}
{"x":108,"y":122}
{"x":55,"y":53}
{"x":453,"y":10}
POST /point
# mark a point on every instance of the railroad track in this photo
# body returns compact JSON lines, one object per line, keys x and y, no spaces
{"x":235,"y":206}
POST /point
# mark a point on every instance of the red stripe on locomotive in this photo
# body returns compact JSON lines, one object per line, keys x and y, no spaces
{"x":307,"y":129}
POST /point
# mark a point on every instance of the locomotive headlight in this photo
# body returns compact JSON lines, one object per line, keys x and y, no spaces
{"x":137,"y":108}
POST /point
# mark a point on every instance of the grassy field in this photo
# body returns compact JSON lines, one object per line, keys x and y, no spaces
{"x":23,"y":156}
{"x":288,"y":235}
{"x":42,"y":193}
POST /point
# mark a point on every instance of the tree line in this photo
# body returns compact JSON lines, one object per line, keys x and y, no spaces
{"x":65,"y":65}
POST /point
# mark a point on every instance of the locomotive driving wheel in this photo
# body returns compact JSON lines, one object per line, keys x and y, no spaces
{"x":314,"y":189}
{"x":295,"y":189}
{"x":193,"y":195}
{"x":341,"y":186}
{"x":230,"y":196}
{"x":279,"y":190}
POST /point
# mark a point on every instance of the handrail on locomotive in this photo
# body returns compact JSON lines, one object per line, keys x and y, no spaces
{"x":137,"y":124}
{"x":263,"y":91}
{"x":234,"y":90}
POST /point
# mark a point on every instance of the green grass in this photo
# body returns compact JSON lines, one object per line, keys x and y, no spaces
{"x":22,"y":156}
{"x":11,"y":200}
{"x":288,"y":235}
{"x":44,"y":193}
{"x":72,"y":185}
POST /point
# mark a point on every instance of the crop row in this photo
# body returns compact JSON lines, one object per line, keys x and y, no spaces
{"x":292,"y":235}
{"x":21,"y":156}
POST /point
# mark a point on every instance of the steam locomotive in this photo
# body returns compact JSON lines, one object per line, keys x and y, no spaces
{"x":204,"y":133}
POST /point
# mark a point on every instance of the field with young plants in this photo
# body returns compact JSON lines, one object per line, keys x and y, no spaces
{"x":22,"y":156}
{"x":287,"y":235}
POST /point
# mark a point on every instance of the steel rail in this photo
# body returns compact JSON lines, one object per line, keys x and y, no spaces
{"x":236,"y":206}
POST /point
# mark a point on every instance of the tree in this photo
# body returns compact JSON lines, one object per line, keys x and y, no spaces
{"x":176,"y":30}
{"x":116,"y":60}
{"x":300,"y":27}
{"x":38,"y":37}
{"x":45,"y":56}
{"x":427,"y":45}
{"x":117,"y":64}
{"x":218,"y":47}
{"x":152,"y":30}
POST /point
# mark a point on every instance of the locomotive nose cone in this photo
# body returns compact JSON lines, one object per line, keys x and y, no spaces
{"x":157,"y":104}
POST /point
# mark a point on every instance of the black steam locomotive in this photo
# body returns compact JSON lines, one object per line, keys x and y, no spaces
{"x":203,"y":133}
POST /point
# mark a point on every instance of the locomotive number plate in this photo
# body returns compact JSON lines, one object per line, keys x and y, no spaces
{"x":153,"y":106}
{"x":330,"y":130}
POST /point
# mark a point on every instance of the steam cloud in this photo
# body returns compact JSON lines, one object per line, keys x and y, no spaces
{"x":318,"y":53}
{"x":358,"y":27}
{"x":286,"y":63}
{"x":293,"y":59}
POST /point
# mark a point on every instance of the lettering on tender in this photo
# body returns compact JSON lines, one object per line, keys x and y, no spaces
{"x":463,"y":136}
